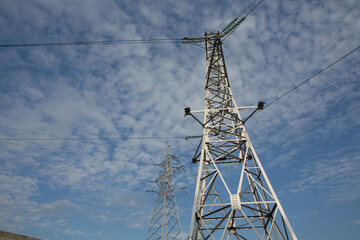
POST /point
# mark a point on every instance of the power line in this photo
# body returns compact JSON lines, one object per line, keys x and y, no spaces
{"x":29,"y":131}
{"x":57,"y":170}
{"x":111,"y":42}
{"x":60,"y":138}
{"x":52,"y":149}
{"x":85,"y":139}
{"x":254,"y":8}
{"x":326,"y":30}
{"x":313,"y":76}
{"x":64,"y":151}
{"x":62,"y":169}
{"x":38,"y":166}
{"x":297,"y":105}
{"x":115,"y":42}
{"x":310,"y":130}
{"x":234,"y":9}
{"x":243,"y":18}
{"x":248,"y":8}
{"x":67,"y":152}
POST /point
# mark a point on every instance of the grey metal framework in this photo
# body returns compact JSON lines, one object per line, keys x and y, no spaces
{"x":233,"y":198}
{"x":165,"y":222}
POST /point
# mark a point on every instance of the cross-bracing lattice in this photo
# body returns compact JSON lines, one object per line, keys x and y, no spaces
{"x":233,"y":198}
{"x":165,"y":222}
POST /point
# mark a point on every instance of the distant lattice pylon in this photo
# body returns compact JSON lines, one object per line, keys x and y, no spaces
{"x":165,"y":222}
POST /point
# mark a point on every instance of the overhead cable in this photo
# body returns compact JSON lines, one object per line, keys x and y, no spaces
{"x":87,"y":138}
{"x":310,"y":130}
{"x":115,"y":42}
{"x":304,"y":101}
{"x":313,"y":76}
{"x":238,"y":20}
{"x":52,"y":149}
{"x":110,"y":42}
{"x":254,"y":8}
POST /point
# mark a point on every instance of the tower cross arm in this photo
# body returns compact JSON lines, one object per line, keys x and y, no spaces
{"x":221,"y":109}
{"x":194,"y":39}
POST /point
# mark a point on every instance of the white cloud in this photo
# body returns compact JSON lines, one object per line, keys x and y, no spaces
{"x":74,"y":232}
{"x":356,"y":222}
{"x":330,"y":178}
{"x":16,"y":194}
{"x":59,"y":208}
{"x":141,"y":90}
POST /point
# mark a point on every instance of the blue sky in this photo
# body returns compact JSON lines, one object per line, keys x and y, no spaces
{"x":95,"y":189}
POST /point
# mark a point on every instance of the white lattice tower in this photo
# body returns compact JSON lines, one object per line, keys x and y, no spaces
{"x":233,"y":198}
{"x":165,"y":222}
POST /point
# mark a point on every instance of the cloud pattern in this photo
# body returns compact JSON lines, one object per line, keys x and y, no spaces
{"x":95,"y":189}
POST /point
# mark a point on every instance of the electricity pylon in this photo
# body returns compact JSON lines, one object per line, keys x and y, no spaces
{"x":233,"y":197}
{"x":165,"y":222}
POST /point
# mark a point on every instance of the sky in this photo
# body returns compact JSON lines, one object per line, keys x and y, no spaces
{"x":307,"y":141}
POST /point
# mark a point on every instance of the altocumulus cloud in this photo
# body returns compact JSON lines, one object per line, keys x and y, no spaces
{"x":95,"y":189}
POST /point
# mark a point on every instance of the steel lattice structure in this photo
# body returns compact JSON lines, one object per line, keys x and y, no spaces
{"x":233,"y":198}
{"x":165,"y":222}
